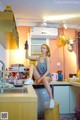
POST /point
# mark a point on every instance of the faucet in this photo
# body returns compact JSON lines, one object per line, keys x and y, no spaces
{"x":3,"y":65}
{"x":3,"y":68}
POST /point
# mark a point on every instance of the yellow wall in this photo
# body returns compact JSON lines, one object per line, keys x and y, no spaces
{"x":18,"y":55}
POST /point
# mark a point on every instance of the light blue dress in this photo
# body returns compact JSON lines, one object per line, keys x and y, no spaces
{"x":42,"y":67}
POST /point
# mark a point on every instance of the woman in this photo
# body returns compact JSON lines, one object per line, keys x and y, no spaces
{"x":41,"y":72}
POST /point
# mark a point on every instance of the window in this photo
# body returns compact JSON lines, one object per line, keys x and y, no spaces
{"x":35,"y":45}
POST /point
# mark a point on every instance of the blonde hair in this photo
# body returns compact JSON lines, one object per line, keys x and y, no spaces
{"x":48,"y":50}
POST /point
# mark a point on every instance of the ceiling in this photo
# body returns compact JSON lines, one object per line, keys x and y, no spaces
{"x":34,"y":12}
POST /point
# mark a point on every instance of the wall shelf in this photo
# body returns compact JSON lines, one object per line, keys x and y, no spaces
{"x":8,"y":31}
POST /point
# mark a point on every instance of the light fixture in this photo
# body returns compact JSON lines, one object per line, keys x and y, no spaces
{"x":65,"y":25}
{"x":60,"y":17}
{"x":44,"y":22}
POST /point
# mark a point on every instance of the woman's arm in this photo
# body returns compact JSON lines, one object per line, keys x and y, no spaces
{"x":26,"y":53}
{"x":30,"y":57}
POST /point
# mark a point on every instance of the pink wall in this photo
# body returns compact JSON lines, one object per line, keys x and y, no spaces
{"x":67,"y":60}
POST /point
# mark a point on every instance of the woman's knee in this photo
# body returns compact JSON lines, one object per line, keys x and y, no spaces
{"x":32,"y":66}
{"x":46,"y":79}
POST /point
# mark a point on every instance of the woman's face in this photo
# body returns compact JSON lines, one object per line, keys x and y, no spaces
{"x":43,"y":49}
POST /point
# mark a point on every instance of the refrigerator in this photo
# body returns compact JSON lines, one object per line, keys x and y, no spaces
{"x":43,"y":99}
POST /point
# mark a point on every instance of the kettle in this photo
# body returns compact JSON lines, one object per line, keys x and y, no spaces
{"x":54,"y":76}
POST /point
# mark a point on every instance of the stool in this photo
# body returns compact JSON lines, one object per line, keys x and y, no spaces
{"x":52,"y":114}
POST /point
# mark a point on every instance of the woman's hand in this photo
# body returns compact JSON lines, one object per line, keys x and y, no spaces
{"x":38,"y":81}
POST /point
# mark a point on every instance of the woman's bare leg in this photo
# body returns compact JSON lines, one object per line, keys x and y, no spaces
{"x":34,"y":72}
{"x":47,"y":86}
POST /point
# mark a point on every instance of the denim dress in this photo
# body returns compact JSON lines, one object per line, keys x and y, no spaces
{"x":42,"y":67}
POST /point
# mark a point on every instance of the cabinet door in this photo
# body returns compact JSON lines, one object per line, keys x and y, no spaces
{"x":78,"y":47}
{"x":74,"y":92}
{"x":61,"y":95}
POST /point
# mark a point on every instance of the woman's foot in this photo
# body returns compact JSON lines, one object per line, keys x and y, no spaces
{"x":51,"y":104}
{"x":29,"y":81}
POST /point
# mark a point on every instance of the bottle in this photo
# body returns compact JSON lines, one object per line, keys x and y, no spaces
{"x":26,"y":45}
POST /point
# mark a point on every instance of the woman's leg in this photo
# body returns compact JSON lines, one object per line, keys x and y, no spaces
{"x":47,"y":86}
{"x":34,"y":72}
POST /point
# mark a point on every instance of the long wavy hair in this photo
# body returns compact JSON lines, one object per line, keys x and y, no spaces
{"x":48,"y":50}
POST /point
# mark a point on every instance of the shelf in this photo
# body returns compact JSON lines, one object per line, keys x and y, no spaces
{"x":8,"y":31}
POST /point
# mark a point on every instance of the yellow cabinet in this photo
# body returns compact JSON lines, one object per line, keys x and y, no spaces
{"x":8,"y":31}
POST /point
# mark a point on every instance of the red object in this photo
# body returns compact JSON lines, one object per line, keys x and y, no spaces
{"x":14,"y":74}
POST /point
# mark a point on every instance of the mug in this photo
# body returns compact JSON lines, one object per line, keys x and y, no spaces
{"x":54,"y":76}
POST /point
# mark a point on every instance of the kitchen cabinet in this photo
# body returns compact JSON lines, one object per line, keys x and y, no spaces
{"x":66,"y":94}
{"x":78,"y":47}
{"x":8,"y":31}
{"x":74,"y":91}
{"x":19,"y":106}
{"x":61,"y":95}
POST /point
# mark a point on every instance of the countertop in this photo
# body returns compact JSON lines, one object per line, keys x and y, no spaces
{"x":30,"y":96}
{"x":64,"y":83}
{"x":54,"y":83}
{"x":59,"y":83}
{"x":77,"y":84}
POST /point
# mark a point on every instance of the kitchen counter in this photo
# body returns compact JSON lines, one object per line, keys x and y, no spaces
{"x":20,"y":106}
{"x":54,"y":83}
{"x":63,"y":83}
{"x":30,"y":96}
{"x":77,"y":84}
{"x":60,"y":83}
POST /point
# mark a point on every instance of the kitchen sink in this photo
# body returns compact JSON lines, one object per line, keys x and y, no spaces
{"x":13,"y":90}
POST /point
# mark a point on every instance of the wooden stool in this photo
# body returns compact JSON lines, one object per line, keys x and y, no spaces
{"x":52,"y":114}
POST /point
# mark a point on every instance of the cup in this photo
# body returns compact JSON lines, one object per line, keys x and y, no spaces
{"x":54,"y":76}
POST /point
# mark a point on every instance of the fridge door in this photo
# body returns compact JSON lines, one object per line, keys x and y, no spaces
{"x":43,"y":99}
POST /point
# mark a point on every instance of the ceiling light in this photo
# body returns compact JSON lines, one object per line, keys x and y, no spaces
{"x":65,"y":25}
{"x":60,"y":17}
{"x":44,"y":22}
